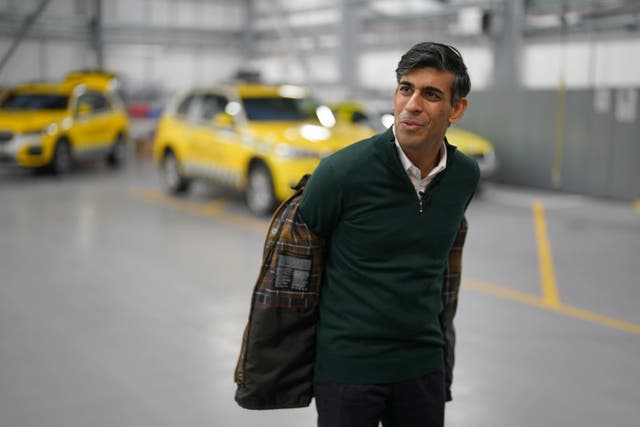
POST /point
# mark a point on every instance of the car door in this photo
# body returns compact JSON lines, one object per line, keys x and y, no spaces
{"x":182,"y":135}
{"x":105,"y":121}
{"x":89,"y":132}
{"x":216,"y":132}
{"x":81,"y":132}
{"x":234,"y":145}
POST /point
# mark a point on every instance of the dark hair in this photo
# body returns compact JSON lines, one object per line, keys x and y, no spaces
{"x":442,"y":57}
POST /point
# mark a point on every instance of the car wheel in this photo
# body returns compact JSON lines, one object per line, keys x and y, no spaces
{"x":173,"y":178}
{"x":118,"y":152}
{"x":260,"y":195}
{"x":62,"y":159}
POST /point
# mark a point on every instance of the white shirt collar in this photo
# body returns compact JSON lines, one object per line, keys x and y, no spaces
{"x":414,"y":173}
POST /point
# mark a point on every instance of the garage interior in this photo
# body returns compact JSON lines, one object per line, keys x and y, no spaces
{"x":123,"y":305}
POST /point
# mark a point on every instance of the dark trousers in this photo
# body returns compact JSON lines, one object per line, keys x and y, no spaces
{"x":412,"y":403}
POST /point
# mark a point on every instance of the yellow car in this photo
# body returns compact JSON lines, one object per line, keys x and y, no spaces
{"x":473,"y":145}
{"x":52,"y":124}
{"x":259,"y":139}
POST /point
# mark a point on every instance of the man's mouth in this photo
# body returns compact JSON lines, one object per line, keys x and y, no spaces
{"x":410,"y":124}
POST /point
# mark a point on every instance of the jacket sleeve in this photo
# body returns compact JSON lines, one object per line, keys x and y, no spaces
{"x":450,"y":289}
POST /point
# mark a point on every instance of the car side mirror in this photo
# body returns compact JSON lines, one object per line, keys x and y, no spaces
{"x":224,"y":120}
{"x":84,"y":110}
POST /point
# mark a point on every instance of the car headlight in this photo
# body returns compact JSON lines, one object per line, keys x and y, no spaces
{"x":51,"y":129}
{"x":286,"y":150}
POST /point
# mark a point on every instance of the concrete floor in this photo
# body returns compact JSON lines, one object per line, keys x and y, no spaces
{"x":122,"y":307}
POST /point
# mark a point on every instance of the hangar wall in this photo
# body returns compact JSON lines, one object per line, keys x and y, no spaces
{"x":160,"y":43}
{"x":577,"y":140}
{"x":152,"y":47}
{"x":164,"y":46}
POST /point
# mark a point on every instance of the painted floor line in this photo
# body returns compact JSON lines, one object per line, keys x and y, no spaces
{"x":548,"y":282}
{"x":206,"y":209}
{"x":216,"y":210}
{"x":536,"y":301}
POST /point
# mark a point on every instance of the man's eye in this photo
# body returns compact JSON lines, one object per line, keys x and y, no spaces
{"x":432,"y":96}
{"x":405,"y":89}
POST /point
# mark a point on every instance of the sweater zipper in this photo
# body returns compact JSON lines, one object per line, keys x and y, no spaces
{"x":424,"y":197}
{"x":421,"y":202}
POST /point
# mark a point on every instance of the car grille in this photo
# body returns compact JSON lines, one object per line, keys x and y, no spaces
{"x":5,"y":136}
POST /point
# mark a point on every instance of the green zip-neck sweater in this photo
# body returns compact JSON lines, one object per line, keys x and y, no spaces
{"x":381,"y":295}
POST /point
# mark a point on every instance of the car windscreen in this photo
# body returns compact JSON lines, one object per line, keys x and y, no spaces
{"x":35,"y":101}
{"x":279,"y":109}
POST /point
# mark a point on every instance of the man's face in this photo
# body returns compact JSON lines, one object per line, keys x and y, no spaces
{"x":422,"y":108}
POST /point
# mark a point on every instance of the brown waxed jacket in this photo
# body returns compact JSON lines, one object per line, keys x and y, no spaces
{"x":275,"y":366}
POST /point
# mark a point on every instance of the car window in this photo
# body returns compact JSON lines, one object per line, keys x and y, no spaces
{"x":212,"y":105}
{"x":279,"y":109}
{"x":190,"y":108}
{"x":35,"y":101}
{"x":183,"y":108}
{"x":359,"y":117}
{"x":98,"y":102}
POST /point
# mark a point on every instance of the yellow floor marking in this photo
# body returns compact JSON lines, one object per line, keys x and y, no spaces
{"x":259,"y":226}
{"x":502,"y":292}
{"x":547,"y":272}
{"x":535,"y":301}
{"x":213,"y":209}
{"x":206,"y":209}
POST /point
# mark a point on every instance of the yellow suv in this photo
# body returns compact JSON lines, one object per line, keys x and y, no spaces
{"x":52,"y":124}
{"x":256,"y":138}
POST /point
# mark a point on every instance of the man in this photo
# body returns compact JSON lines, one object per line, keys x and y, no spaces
{"x":391,"y":207}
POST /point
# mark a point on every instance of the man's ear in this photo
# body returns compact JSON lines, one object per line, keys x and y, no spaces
{"x":458,"y":110}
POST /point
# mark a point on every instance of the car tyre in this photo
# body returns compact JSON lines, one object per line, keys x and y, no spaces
{"x":118,"y":153}
{"x":260,"y":195}
{"x":174,"y":180}
{"x":62,"y":158}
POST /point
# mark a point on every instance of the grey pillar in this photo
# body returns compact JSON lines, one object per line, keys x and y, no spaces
{"x":349,"y":52}
{"x":509,"y":45}
{"x":95,"y":28}
{"x":248,"y":35}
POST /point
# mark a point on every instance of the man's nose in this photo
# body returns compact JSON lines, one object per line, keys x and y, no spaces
{"x":414,"y":104}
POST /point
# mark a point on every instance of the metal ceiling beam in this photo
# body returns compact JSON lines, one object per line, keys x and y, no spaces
{"x":375,"y":30}
{"x":599,"y":18}
{"x":26,"y":25}
{"x":174,"y":36}
{"x":77,"y":29}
